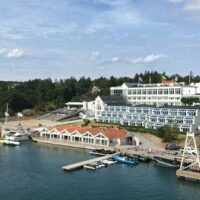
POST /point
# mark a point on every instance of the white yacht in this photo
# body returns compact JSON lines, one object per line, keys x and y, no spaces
{"x":11,"y":142}
{"x":17,"y":137}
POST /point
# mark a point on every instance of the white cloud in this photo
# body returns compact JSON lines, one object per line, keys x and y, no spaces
{"x":176,"y":1}
{"x":2,"y":51}
{"x":15,"y":53}
{"x":94,"y":55}
{"x":113,"y":2}
{"x":192,"y":5}
{"x":115,"y":60}
{"x":188,"y":5}
{"x":148,"y":59}
{"x":117,"y":17}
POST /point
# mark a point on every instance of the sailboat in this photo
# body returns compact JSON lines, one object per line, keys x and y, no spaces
{"x":6,"y":140}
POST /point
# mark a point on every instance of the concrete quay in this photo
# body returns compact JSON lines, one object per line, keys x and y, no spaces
{"x":188,"y":175}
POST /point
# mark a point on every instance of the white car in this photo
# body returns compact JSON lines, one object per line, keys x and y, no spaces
{"x":189,"y":150}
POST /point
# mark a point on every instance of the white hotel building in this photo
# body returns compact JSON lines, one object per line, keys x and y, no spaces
{"x":165,"y":93}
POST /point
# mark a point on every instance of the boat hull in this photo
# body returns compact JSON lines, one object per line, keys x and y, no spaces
{"x":11,"y":143}
{"x":167,"y":163}
{"x":123,"y":160}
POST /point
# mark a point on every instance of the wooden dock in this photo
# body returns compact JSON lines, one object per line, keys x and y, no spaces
{"x":188,"y":175}
{"x":79,"y":165}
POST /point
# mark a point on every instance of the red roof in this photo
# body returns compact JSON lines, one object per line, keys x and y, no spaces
{"x":109,"y":132}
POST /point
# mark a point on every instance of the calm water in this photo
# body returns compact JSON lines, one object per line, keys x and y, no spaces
{"x":33,"y":172}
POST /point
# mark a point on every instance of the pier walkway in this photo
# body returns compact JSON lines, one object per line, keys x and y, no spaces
{"x":79,"y":165}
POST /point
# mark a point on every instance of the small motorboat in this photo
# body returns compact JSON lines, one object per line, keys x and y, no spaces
{"x":124,"y":160}
{"x":95,"y":165}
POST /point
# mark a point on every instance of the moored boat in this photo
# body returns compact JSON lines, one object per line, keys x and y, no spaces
{"x":95,"y":165}
{"x":101,"y":152}
{"x":124,"y":160}
{"x":167,"y":162}
{"x":10,"y":142}
{"x":18,"y":137}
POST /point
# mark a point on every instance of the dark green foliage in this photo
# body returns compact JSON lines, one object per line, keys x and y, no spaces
{"x":85,"y":122}
{"x":190,"y":100}
{"x":168,"y":133}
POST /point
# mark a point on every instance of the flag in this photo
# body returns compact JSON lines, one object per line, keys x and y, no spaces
{"x":176,"y":78}
{"x":7,"y":114}
{"x":20,"y":115}
{"x":140,"y":80}
{"x":163,"y":77}
{"x":149,"y":78}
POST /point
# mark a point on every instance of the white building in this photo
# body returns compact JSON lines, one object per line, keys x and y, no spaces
{"x":183,"y":117}
{"x":165,"y":93}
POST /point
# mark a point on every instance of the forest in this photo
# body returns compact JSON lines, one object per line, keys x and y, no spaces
{"x":41,"y":96}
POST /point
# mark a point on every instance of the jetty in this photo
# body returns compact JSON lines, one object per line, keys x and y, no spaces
{"x":80,"y":165}
{"x":188,"y":175}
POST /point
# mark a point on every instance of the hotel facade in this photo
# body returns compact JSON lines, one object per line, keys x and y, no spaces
{"x":165,"y":93}
{"x":112,"y":109}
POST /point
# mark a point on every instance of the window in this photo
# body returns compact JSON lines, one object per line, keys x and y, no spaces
{"x":139,"y":91}
{"x":165,"y":91}
{"x":144,"y":91}
{"x":177,"y":91}
{"x":160,"y":91}
{"x":154,"y":91}
{"x":171,"y":90}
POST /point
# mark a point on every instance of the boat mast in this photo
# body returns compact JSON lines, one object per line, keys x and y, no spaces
{"x":5,"y":121}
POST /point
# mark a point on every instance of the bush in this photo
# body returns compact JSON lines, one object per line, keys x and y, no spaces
{"x":85,"y":122}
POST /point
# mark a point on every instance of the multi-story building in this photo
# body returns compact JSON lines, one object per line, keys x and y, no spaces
{"x":165,"y":93}
{"x":109,"y":110}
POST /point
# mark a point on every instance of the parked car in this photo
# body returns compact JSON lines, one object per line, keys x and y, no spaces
{"x":189,"y":150}
{"x":173,"y":147}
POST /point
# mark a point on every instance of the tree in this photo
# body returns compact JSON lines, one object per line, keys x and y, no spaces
{"x":190,"y":100}
{"x":168,"y":133}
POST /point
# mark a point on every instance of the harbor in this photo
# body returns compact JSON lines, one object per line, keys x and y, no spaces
{"x":46,"y":180}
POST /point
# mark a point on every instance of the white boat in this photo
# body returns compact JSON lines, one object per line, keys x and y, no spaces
{"x":167,"y":162}
{"x":18,"y":137}
{"x":10,"y":142}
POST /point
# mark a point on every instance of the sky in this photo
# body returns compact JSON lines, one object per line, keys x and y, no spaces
{"x":63,"y":38}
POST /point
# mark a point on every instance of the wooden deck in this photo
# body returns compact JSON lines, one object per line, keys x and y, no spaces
{"x":188,"y":175}
{"x":79,"y":165}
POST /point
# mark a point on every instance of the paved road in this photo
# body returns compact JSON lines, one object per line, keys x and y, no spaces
{"x":147,"y":144}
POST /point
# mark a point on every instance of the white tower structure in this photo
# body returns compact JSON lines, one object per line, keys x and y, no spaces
{"x":190,"y":149}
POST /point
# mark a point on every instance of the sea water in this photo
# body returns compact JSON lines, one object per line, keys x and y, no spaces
{"x":32,"y":171}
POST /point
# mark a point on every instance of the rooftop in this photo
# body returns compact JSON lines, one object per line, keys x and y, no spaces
{"x":114,"y":100}
{"x":109,"y":132}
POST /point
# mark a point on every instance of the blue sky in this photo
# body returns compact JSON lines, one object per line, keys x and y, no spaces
{"x":63,"y":38}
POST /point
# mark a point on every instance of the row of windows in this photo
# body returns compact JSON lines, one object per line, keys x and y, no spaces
{"x":183,"y":127}
{"x":156,"y":111}
{"x":161,"y":91}
{"x":161,"y":98}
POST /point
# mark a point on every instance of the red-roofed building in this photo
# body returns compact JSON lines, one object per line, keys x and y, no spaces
{"x":101,"y":136}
